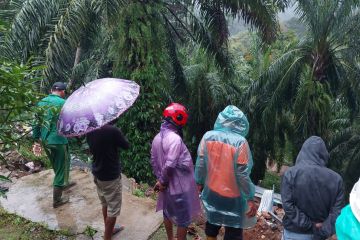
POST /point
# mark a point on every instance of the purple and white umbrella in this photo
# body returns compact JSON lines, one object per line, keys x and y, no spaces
{"x":96,"y":104}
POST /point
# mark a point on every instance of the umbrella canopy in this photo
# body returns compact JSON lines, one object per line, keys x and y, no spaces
{"x":96,"y":104}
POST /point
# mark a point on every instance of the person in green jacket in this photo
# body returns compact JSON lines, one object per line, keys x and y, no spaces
{"x":56,"y":147}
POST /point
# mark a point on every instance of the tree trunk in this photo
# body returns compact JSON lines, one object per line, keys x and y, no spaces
{"x":76,"y":62}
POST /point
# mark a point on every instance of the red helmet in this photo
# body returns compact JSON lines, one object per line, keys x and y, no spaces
{"x":177,"y":113}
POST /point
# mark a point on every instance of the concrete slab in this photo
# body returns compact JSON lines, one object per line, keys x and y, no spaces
{"x":31,"y":198}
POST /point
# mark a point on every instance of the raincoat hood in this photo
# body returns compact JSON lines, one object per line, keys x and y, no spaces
{"x":165,"y":125}
{"x":232,"y":119}
{"x":355,"y":200}
{"x":311,"y":192}
{"x":313,"y":152}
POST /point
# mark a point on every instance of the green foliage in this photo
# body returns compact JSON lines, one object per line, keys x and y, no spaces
{"x":321,"y":57}
{"x":5,"y":22}
{"x":312,"y":108}
{"x":140,"y":125}
{"x":4,"y":190}
{"x":252,"y":59}
{"x":82,"y":40}
{"x":25,"y":150}
{"x":270,"y":181}
{"x":138,"y":57}
{"x":17,"y":88}
{"x":344,"y":145}
{"x":16,"y":227}
{"x":56,"y":32}
{"x":292,"y":97}
{"x":139,"y":193}
{"x":141,"y":190}
{"x":17,"y":107}
{"x":4,"y":178}
{"x":209,"y":92}
{"x":90,"y":231}
{"x":259,"y":14}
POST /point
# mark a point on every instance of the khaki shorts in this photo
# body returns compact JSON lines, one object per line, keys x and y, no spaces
{"x":110,"y":195}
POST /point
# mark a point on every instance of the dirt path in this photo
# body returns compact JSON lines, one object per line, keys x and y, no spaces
{"x":31,"y":197}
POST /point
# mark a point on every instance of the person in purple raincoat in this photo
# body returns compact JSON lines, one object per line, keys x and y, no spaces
{"x":172,"y":164}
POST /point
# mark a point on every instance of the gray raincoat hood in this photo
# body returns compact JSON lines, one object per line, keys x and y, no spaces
{"x":312,"y":193}
{"x":313,"y":152}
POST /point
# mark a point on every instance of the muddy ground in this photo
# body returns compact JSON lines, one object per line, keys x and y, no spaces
{"x":266,"y":228}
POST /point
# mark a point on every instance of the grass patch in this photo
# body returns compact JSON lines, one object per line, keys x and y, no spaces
{"x":160,"y":234}
{"x":142,"y":190}
{"x":139,"y":193}
{"x":13,"y":227}
{"x":270,"y":180}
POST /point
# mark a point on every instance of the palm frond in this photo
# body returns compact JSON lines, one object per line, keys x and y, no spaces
{"x":60,"y":53}
{"x":34,"y":17}
{"x":108,"y":9}
{"x":260,"y":14}
{"x":179,"y":81}
{"x":216,"y":22}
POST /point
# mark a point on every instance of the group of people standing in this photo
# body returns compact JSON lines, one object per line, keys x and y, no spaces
{"x":312,"y":194}
{"x":222,"y":174}
{"x":104,"y":145}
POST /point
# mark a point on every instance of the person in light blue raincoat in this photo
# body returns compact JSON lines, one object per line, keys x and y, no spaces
{"x":348,"y":223}
{"x":222,"y":172}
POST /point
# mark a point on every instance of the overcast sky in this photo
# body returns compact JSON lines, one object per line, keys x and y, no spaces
{"x":288,"y":14}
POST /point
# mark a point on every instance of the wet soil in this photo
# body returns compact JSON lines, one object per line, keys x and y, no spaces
{"x":31,"y":197}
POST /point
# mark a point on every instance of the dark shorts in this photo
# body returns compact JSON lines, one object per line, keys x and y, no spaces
{"x":231,"y":233}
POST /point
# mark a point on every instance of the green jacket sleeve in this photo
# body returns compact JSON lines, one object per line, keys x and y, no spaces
{"x":36,"y":133}
{"x":36,"y":129}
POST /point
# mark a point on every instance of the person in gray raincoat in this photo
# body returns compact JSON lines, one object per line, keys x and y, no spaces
{"x":312,"y":194}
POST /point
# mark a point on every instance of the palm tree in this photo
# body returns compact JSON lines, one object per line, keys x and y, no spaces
{"x":344,"y":144}
{"x":63,"y":35}
{"x":80,"y":40}
{"x":268,"y":142}
{"x":209,"y":92}
{"x":72,"y":38}
{"x":299,"y":94}
{"x":322,"y":67}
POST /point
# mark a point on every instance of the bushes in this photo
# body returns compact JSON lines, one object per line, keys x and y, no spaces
{"x":140,"y":126}
{"x":270,"y":180}
{"x":18,"y":98}
{"x":137,"y":56}
{"x":25,"y":150}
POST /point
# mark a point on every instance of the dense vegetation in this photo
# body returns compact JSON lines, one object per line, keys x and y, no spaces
{"x":293,"y":79}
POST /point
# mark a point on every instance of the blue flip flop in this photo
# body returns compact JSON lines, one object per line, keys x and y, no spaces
{"x":117,"y":228}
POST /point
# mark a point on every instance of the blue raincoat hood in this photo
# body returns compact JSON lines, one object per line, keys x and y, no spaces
{"x":232,"y":119}
{"x":224,"y":166}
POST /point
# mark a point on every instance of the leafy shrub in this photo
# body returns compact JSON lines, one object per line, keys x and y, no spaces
{"x":270,"y":180}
